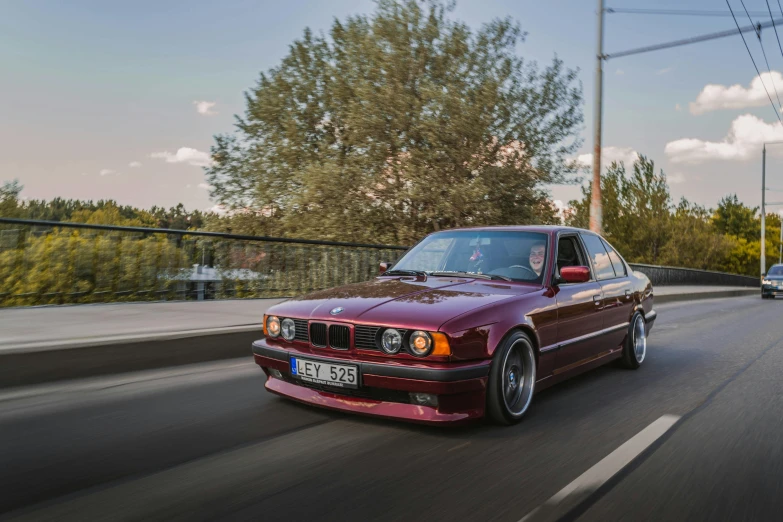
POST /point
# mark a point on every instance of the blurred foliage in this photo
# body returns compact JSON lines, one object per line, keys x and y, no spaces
{"x":42,"y":265}
{"x":398,"y":124}
{"x":641,"y":221}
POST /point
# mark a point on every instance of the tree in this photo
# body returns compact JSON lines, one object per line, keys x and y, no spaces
{"x":694,"y":242}
{"x":734,"y":218}
{"x":9,"y":199}
{"x":399,"y":124}
{"x":636,"y":210}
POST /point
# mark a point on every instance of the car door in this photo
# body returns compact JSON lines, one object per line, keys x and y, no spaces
{"x":616,"y":287}
{"x":578,"y":308}
{"x":618,"y":298}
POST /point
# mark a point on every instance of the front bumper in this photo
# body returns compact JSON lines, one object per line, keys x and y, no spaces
{"x":384,"y":387}
{"x":772,"y":290}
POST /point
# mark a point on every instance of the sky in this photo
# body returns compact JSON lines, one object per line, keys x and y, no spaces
{"x":121,"y":100}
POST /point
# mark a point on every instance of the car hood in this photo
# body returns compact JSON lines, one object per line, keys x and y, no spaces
{"x":407,"y":302}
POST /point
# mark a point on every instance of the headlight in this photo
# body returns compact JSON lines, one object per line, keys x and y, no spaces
{"x":288,"y":328}
{"x":391,"y":341}
{"x":420,"y":343}
{"x":273,"y":326}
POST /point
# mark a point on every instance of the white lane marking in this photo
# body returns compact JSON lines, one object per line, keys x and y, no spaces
{"x":592,"y":479}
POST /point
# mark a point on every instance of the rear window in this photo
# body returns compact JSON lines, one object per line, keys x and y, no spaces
{"x":614,"y":257}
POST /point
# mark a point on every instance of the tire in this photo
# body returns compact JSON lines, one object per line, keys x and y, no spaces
{"x":512,"y":379}
{"x":635,"y":349}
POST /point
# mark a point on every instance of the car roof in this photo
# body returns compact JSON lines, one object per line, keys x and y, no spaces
{"x":548,"y":229}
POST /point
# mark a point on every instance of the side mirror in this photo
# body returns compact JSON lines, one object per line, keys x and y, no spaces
{"x":575,"y":274}
{"x":383,"y":268}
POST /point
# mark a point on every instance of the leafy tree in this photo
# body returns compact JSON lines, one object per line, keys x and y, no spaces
{"x":734,"y":218}
{"x":399,"y":124}
{"x":112,"y":214}
{"x":636,"y":210}
{"x":178,"y":218}
{"x":694,"y":242}
{"x":9,"y":199}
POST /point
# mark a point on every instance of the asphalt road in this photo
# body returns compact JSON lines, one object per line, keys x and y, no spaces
{"x":207,"y":442}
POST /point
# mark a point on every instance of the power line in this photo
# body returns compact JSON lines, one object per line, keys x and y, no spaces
{"x":686,"y":12}
{"x":754,"y":62}
{"x":692,"y":40}
{"x":776,"y":29}
{"x":763,"y":52}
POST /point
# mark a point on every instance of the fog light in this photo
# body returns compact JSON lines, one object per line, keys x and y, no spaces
{"x":276,"y":373}
{"x":424,"y":399}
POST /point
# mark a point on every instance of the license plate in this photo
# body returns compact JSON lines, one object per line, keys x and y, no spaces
{"x":328,"y":374}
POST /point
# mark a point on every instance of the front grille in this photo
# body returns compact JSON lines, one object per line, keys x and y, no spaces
{"x":339,"y":337}
{"x":301,"y":330}
{"x":318,"y":334}
{"x":364,"y":337}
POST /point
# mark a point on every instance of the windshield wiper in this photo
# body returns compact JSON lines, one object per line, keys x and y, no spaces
{"x":406,"y":272}
{"x":468,"y":274}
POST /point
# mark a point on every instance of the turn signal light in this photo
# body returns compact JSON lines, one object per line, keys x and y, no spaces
{"x":441,"y":344}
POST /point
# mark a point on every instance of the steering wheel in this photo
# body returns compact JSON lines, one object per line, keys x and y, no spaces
{"x":535,"y":276}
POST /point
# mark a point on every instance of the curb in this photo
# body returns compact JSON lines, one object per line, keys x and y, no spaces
{"x":37,"y":366}
{"x":672,"y":298}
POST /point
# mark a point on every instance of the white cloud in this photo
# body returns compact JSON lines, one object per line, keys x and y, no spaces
{"x":743,"y":141}
{"x":185,"y":155}
{"x":664,"y":70}
{"x":106,"y":172}
{"x":561,"y":208}
{"x":619,"y":72}
{"x":676,"y":178}
{"x":678,"y":107}
{"x":205,"y":186}
{"x":134,"y":164}
{"x":205,"y":107}
{"x":715,"y":97}
{"x":609,"y":154}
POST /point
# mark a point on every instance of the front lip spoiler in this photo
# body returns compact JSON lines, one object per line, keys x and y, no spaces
{"x":386,"y":370}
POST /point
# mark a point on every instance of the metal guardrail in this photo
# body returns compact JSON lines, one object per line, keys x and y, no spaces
{"x":50,"y":262}
{"x":668,"y":275}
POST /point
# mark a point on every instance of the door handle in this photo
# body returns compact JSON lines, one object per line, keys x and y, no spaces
{"x":597,"y":299}
{"x":628,"y":294}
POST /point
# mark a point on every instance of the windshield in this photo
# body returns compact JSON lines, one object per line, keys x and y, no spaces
{"x":776,"y":271}
{"x":519,"y":256}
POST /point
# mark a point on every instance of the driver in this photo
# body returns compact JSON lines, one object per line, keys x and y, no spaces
{"x":536,"y":259}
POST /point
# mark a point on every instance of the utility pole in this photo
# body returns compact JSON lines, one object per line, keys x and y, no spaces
{"x":763,"y":212}
{"x":596,"y":213}
{"x":764,"y":205}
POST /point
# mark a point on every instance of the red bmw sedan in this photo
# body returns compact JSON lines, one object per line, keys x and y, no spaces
{"x":468,"y":323}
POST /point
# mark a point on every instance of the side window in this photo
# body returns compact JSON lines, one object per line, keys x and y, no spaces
{"x":602,"y":265}
{"x":569,"y":253}
{"x":614,"y":257}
